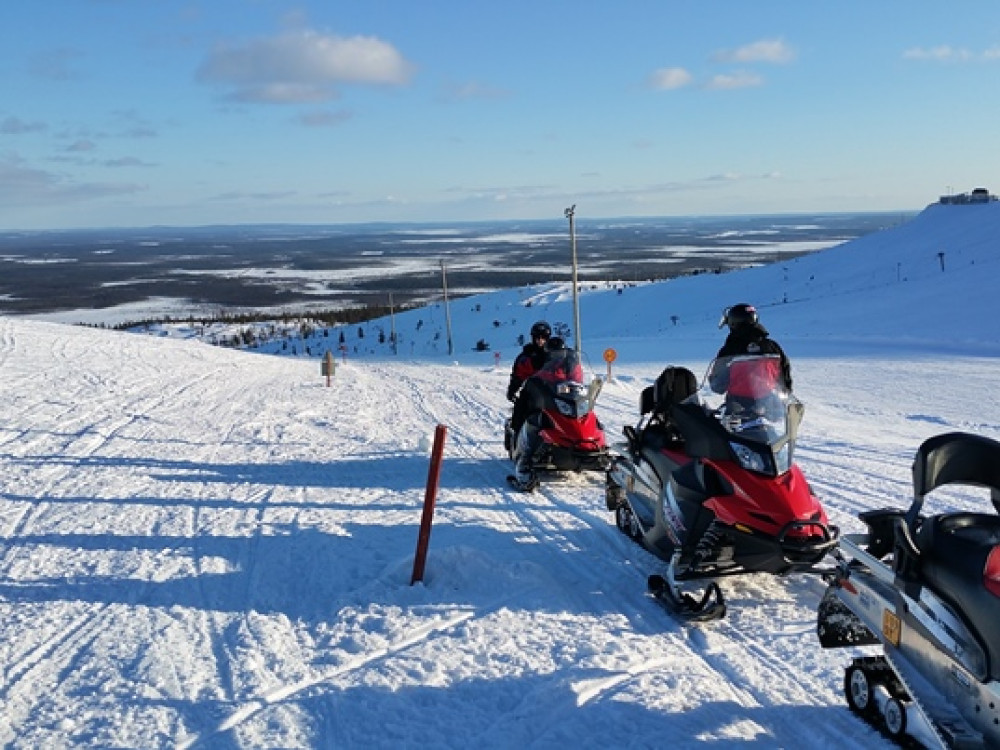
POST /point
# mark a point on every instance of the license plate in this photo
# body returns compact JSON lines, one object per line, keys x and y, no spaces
{"x":891,"y":627}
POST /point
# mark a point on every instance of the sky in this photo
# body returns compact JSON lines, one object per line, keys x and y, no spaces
{"x":207,"y":548}
{"x":116,"y":113}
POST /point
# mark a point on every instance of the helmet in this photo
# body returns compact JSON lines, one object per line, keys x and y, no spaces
{"x":739,"y":315}
{"x":541,"y":330}
{"x":554,"y":344}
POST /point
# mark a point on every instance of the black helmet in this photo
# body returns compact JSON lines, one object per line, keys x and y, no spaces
{"x":739,"y":315}
{"x":554,"y":344}
{"x":541,"y":330}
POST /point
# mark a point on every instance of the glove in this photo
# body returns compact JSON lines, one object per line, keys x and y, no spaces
{"x":512,"y":395}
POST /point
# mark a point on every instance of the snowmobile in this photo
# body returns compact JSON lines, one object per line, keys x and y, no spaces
{"x":927,"y":589}
{"x":706,"y":481}
{"x":572,"y":437}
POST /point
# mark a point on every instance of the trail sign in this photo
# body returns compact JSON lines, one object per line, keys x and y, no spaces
{"x":610,"y":355}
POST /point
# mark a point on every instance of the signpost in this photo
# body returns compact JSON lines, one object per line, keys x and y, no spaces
{"x":610,"y":355}
{"x":329,"y":367}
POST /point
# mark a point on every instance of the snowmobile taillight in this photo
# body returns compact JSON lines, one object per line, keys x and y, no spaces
{"x":991,"y":573}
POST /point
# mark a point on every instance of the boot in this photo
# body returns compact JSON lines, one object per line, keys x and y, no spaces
{"x":524,"y":474}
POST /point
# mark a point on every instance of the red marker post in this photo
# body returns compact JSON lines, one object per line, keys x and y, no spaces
{"x":430,"y":496}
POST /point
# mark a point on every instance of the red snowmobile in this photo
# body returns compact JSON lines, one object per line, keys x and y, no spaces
{"x":572,"y":437}
{"x":706,"y":481}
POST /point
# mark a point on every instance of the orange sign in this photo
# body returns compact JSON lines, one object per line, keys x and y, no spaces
{"x":610,"y":355}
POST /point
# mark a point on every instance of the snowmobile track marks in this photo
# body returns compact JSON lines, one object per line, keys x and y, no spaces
{"x":251,"y":708}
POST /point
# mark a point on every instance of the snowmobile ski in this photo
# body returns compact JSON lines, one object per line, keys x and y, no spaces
{"x":711,"y":606}
{"x":530,"y":486}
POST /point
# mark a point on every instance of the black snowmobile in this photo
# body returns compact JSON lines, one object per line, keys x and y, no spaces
{"x":706,"y":481}
{"x":927,"y":589}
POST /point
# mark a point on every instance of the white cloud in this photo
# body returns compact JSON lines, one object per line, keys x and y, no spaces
{"x":941,"y":53}
{"x":282,"y":93}
{"x":766,"y":50}
{"x":303,"y":65}
{"x":665,"y":79}
{"x":738,"y":80}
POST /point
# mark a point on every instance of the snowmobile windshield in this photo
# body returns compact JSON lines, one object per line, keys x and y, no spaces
{"x":563,"y":374}
{"x":747,"y":397}
{"x":561,"y":366}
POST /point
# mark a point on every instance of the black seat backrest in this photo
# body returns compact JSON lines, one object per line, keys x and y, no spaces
{"x":954,"y":458}
{"x":672,"y":386}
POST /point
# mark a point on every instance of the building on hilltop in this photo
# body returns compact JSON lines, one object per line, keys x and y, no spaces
{"x":978,"y":195}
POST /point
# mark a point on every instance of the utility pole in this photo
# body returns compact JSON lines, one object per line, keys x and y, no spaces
{"x":447,"y":311}
{"x":570,"y":214}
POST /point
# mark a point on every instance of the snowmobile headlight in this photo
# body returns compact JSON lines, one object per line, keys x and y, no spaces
{"x":566,"y":407}
{"x":750,"y":459}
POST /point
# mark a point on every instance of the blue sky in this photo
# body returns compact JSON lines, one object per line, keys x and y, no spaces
{"x":128,"y":113}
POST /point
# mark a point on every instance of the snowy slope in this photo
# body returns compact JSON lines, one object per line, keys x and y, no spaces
{"x":208,"y":548}
{"x":886,"y":289}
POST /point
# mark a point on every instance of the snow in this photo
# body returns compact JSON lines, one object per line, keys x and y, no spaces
{"x":207,"y":548}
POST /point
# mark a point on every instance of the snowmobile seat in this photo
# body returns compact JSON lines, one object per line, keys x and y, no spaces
{"x":953,"y":551}
{"x":655,"y":437}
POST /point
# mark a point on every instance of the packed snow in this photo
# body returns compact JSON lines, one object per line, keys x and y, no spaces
{"x":207,"y":548}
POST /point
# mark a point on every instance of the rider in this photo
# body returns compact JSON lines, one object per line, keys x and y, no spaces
{"x":746,"y":336}
{"x":530,"y":360}
{"x":561,"y":365}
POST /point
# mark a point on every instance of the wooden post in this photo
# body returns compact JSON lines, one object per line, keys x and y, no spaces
{"x":426,"y":519}
{"x":329,"y":367}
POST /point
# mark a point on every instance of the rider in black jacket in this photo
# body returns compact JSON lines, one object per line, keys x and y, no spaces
{"x":530,"y":360}
{"x":748,"y":336}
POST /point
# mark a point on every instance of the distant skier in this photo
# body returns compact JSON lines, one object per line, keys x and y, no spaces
{"x":530,"y":360}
